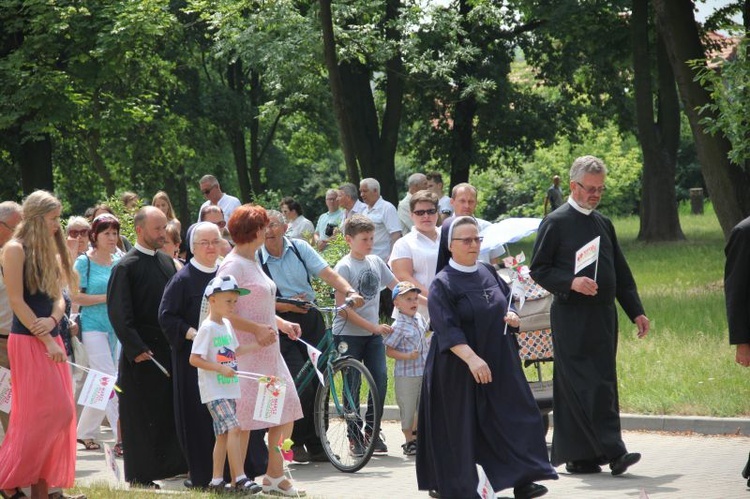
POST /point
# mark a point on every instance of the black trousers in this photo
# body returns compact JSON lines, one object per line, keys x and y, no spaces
{"x":295,"y":356}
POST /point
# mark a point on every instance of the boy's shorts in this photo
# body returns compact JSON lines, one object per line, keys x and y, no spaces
{"x":223,"y":413}
{"x":408,"y":390}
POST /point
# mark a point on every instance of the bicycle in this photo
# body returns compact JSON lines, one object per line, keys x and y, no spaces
{"x":347,"y":412}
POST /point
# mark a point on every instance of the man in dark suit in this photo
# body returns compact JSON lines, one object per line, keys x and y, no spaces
{"x":737,"y":291}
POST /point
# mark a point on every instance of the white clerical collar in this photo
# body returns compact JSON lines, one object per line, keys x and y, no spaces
{"x":578,"y":208}
{"x":204,"y":268}
{"x":463,"y":268}
{"x":145,"y":250}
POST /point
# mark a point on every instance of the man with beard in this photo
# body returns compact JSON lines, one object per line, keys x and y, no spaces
{"x":152,"y":451}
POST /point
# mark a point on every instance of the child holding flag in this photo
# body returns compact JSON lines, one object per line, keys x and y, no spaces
{"x":214,"y":353}
{"x":408,"y":345}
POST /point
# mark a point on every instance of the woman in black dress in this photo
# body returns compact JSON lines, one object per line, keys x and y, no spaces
{"x":476,"y":406}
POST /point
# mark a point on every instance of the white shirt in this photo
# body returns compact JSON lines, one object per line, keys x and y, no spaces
{"x":227,"y":204}
{"x":359,"y":207}
{"x":6,"y":313}
{"x":404,"y":213}
{"x":383,"y":214}
{"x":300,"y":228}
{"x":423,"y":253}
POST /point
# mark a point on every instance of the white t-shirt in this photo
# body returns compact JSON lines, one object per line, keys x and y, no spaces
{"x":385,"y":217}
{"x":423,"y":253}
{"x":227,"y":204}
{"x":216,"y":343}
{"x":367,"y":277}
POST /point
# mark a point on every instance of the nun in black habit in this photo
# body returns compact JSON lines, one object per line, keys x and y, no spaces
{"x":182,"y":310}
{"x":476,"y":406}
{"x":135,"y":288}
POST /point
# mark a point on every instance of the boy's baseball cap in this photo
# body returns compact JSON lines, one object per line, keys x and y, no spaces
{"x":404,"y":287}
{"x":224,"y":283}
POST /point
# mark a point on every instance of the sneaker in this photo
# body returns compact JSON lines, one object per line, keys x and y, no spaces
{"x":380,"y":447}
{"x":356,"y":449}
{"x":247,"y":486}
{"x":410,"y":448}
{"x":300,"y":454}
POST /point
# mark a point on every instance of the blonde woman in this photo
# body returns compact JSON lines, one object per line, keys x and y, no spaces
{"x":39,"y":449}
{"x":161,"y":200}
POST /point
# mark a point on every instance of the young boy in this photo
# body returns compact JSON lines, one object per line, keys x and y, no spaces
{"x":214,"y":353}
{"x":408,"y":345}
{"x":361,"y":329}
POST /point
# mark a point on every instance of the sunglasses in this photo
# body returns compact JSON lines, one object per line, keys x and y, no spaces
{"x":76,"y":233}
{"x":206,"y":192}
{"x":220,"y":224}
{"x":421,"y":213}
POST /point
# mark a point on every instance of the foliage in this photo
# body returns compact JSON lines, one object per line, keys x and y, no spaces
{"x":521,"y":191}
{"x":728,"y":113}
{"x":125,"y":216}
{"x":334,"y":251}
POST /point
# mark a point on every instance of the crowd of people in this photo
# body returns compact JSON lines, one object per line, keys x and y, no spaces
{"x":178,"y":314}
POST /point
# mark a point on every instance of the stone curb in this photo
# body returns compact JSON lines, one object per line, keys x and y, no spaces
{"x":695,"y":424}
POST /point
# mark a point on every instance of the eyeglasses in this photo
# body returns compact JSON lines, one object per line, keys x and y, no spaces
{"x":76,"y":233}
{"x":273,"y":225}
{"x":469,"y":240}
{"x":592,"y":190}
{"x":220,"y":224}
{"x":206,"y":244}
{"x":8,"y":226}
{"x":421,"y":213}
{"x":206,"y":192}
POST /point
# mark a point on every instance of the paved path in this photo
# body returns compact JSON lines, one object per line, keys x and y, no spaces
{"x":674,"y":465}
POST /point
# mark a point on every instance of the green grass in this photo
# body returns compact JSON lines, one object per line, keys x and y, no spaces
{"x":685,"y":366}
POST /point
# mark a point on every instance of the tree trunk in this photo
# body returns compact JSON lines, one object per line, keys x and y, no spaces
{"x":659,"y":139}
{"x":363,"y":124}
{"x":462,"y":134}
{"x":255,"y":179}
{"x":186,"y":218}
{"x":93,"y":142}
{"x":235,"y":131}
{"x":728,"y":185}
{"x":35,"y":162}
{"x":337,"y":92}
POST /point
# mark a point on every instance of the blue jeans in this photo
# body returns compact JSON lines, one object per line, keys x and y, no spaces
{"x":371,"y":352}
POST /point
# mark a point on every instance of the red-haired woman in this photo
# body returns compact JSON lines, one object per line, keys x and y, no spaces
{"x":97,"y":334}
{"x":256,"y":324}
{"x":39,"y":449}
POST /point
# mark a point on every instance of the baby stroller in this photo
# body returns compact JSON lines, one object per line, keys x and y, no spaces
{"x":534,"y":339}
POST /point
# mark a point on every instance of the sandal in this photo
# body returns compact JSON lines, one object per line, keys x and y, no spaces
{"x":274,"y":489}
{"x":89,"y":443}
{"x":117,"y":449}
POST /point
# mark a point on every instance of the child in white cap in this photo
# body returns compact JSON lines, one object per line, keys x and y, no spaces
{"x":214,"y":353}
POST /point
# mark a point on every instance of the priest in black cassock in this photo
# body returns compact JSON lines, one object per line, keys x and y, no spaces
{"x":152,"y":451}
{"x":584,"y":325}
{"x":181,"y":312}
{"x":476,"y":406}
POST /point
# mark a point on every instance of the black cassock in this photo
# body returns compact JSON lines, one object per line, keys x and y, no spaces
{"x":179,"y":311}
{"x":152,"y":451}
{"x":737,"y":283}
{"x":463,"y":423}
{"x":584,"y":333}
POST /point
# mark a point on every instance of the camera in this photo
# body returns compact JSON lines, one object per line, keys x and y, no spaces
{"x":329,"y":229}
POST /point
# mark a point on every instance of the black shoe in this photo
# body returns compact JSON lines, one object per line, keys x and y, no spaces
{"x":148,"y":485}
{"x":746,"y":471}
{"x":300,"y":454}
{"x":582,"y":467}
{"x":529,"y":491}
{"x":319,"y":457}
{"x":356,"y":449}
{"x":188,"y":484}
{"x":621,"y":464}
{"x":219,"y":488}
{"x":380,"y":447}
{"x":433,"y":493}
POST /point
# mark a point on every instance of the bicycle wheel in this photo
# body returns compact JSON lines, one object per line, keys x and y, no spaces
{"x":347,"y":415}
